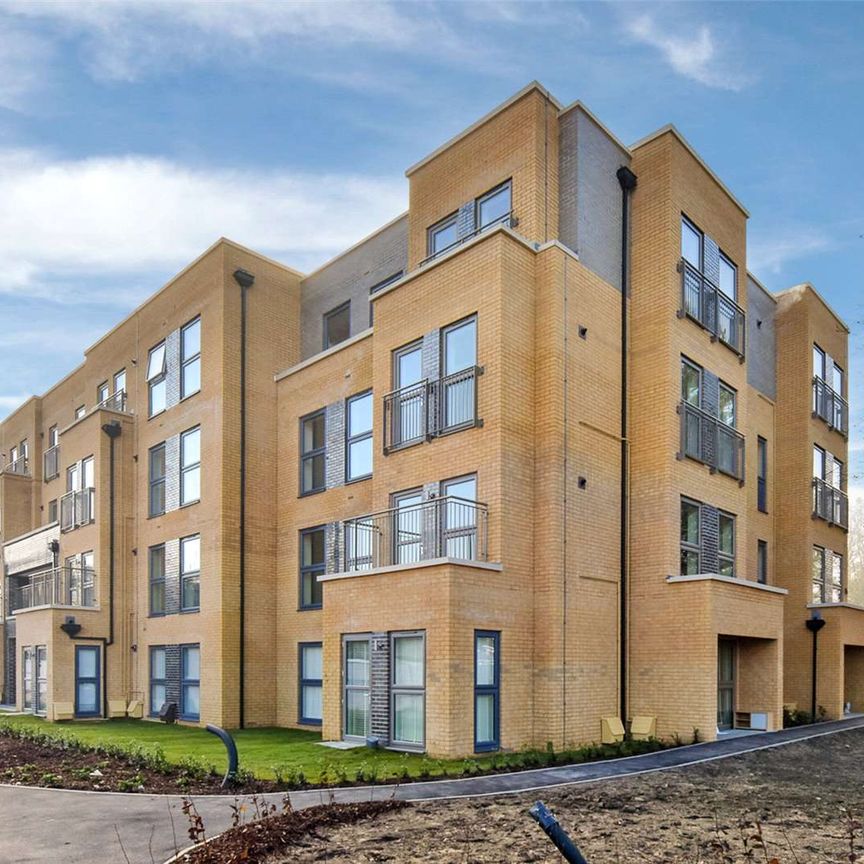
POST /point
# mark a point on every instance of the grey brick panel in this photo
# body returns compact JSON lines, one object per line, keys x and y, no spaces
{"x":465,"y":220}
{"x":710,"y":538}
{"x":172,"y":576}
{"x":379,"y":691}
{"x":172,"y":473}
{"x":172,"y":363}
{"x":334,"y":419}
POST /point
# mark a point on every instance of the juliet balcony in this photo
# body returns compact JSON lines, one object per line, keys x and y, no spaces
{"x":56,"y":586}
{"x":20,"y":467}
{"x":709,"y":440}
{"x":830,"y":504}
{"x":703,"y":302}
{"x":77,"y":509}
{"x":445,"y":527}
{"x":830,"y":406}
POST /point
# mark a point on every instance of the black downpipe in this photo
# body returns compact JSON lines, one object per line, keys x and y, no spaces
{"x":627,"y":181}
{"x":814,"y":624}
{"x":245,"y":280}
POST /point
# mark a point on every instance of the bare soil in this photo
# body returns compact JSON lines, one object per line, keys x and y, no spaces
{"x":799,"y":797}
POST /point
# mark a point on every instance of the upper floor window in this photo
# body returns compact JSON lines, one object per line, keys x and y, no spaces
{"x":190,"y":682}
{"x":494,"y":206}
{"x":156,"y":504}
{"x":380,"y":286}
{"x":156,"y":564}
{"x":837,"y":379}
{"x":691,"y":537}
{"x":728,"y":278}
{"x":691,"y":243}
{"x":762,"y":474}
{"x":120,"y":381}
{"x":80,"y":411}
{"x":312,"y":565}
{"x":102,"y":393}
{"x":691,"y":383}
{"x":190,"y":573}
{"x":53,"y":436}
{"x":726,"y":544}
{"x":819,"y":363}
{"x":157,"y":379}
{"x":190,"y":466}
{"x":88,"y":473}
{"x":727,"y":412}
{"x":441,"y":236}
{"x":762,"y":562}
{"x":312,"y":452}
{"x":818,"y":462}
{"x":827,"y":576}
{"x":337,"y":324}
{"x":359,"y":437}
{"x":190,"y":358}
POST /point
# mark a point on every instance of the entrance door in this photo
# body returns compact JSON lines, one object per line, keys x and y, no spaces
{"x":87,"y":681}
{"x":726,"y":684}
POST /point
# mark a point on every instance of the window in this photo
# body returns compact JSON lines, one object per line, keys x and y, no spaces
{"x":157,"y":480}
{"x":157,"y":579}
{"x":407,"y":420}
{"x":762,"y":474}
{"x":727,"y":444}
{"x":190,"y":573}
{"x":691,"y":537}
{"x":408,"y":530}
{"x":726,"y":544}
{"x":691,"y":383}
{"x":819,"y":363}
{"x":337,"y":325}
{"x":190,"y":358}
{"x":408,"y":691}
{"x":836,"y":586}
{"x":120,"y":381}
{"x":493,"y":207}
{"x":72,"y":477}
{"x":359,"y":432}
{"x":691,"y":243}
{"x":727,"y":405}
{"x":190,"y":682}
{"x":156,"y":379}
{"x":441,"y":236}
{"x":80,"y":411}
{"x":88,"y":587}
{"x":817,"y":569}
{"x":728,"y":278}
{"x":487,"y":685}
{"x":27,"y":661}
{"x":158,"y":679}
{"x":818,"y":462}
{"x":459,"y":522}
{"x":762,"y":562}
{"x":311,"y":666}
{"x":459,"y":352}
{"x":102,"y":393}
{"x":836,"y":478}
{"x":87,"y":687}
{"x":312,"y":553}
{"x":356,"y":675}
{"x":837,"y":379}
{"x":88,"y":477}
{"x":380,"y":286}
{"x":41,"y":706}
{"x":190,"y":466}
{"x":52,"y":510}
{"x":53,"y":436}
{"x":312,"y":453}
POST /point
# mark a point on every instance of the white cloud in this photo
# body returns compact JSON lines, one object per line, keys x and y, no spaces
{"x":68,"y":222}
{"x":771,"y":253}
{"x":692,"y":54}
{"x":23,"y":60}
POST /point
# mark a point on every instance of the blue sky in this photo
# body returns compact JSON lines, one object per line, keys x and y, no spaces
{"x":133,"y":134}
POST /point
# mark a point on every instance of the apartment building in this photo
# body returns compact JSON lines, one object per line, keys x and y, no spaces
{"x":505,"y":468}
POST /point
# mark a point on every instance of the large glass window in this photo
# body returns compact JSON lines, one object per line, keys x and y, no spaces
{"x":408,"y":407}
{"x":818,"y":462}
{"x":727,"y":444}
{"x":726,"y":544}
{"x":359,"y":435}
{"x":157,"y":480}
{"x":837,"y":379}
{"x":157,"y":379}
{"x":691,"y":244}
{"x":41,"y":706}
{"x":158,"y":680}
{"x":442,"y":236}
{"x":157,"y":579}
{"x":691,"y":383}
{"x":408,"y":691}
{"x":190,"y":466}
{"x":337,"y":325}
{"x":311,"y":666}
{"x":312,"y":565}
{"x":190,"y":682}
{"x":190,"y":358}
{"x":494,"y":206}
{"x":357,"y":681}
{"x":312,"y":453}
{"x":487,"y":697}
{"x":190,"y":573}
{"x":691,"y":537}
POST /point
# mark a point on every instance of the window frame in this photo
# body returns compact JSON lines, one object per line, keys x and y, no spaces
{"x":721,"y":386}
{"x":686,"y":362}
{"x":185,"y":683}
{"x":151,"y":581}
{"x":841,"y":585}
{"x":359,"y":437}
{"x":701,"y":235}
{"x":762,"y":562}
{"x":313,"y":453}
{"x":380,"y":286}
{"x":436,"y":228}
{"x":163,"y":682}
{"x":734,"y":267}
{"x":157,"y":379}
{"x":193,"y":466}
{"x":303,"y":683}
{"x":486,"y":196}
{"x":186,"y":362}
{"x":761,"y":474}
{"x":821,"y":580}
{"x":53,"y":436}
{"x":187,"y":576}
{"x":95,"y":679}
{"x":405,"y":689}
{"x":687,"y":546}
{"x":823,"y":361}
{"x":722,"y":556}
{"x":103,"y":393}
{"x":119,"y":375}
{"x":152,"y":482}
{"x":363,"y":688}
{"x":53,"y":511}
{"x":312,"y":570}
{"x":80,"y":412}
{"x":328,"y":316}
{"x":493,"y":690}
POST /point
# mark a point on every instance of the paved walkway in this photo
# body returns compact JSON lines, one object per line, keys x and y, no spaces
{"x":47,"y":825}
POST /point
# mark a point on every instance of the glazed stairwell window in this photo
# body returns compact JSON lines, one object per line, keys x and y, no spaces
{"x":313,"y":447}
{"x":827,"y":576}
{"x":358,"y":464}
{"x":190,"y":358}
{"x":157,"y":380}
{"x":190,"y":573}
{"x":190,"y":466}
{"x":762,"y":474}
{"x":156,"y":499}
{"x":691,"y":537}
{"x":487,"y":690}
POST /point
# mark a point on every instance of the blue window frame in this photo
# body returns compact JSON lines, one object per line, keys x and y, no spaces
{"x":310,"y":683}
{"x":312,"y":565}
{"x":87,"y":681}
{"x":190,"y":682}
{"x":158,"y":678}
{"x":487,"y":690}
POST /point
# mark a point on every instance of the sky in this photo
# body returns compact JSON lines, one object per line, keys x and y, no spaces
{"x":134,"y":134}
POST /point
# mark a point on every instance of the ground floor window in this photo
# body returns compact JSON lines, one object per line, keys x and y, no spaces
{"x":487,"y":690}
{"x":357,"y":680}
{"x":87,"y":681}
{"x":158,"y":679}
{"x":41,"y":706}
{"x":190,"y":682}
{"x":27,"y":663}
{"x":310,"y":682}
{"x":408,"y":689}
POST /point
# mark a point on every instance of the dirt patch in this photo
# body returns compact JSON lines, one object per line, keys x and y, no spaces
{"x":31,"y":763}
{"x":799,"y":793}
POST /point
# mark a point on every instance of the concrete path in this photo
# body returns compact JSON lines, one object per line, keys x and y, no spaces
{"x":47,"y":825}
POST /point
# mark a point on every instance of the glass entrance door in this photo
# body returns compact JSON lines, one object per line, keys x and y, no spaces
{"x":87,"y":688}
{"x":725,"y":684}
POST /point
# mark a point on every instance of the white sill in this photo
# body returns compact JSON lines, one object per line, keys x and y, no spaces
{"x":729,"y":580}
{"x":395,"y":568}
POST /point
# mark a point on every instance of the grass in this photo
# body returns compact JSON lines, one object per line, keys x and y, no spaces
{"x":295,"y":756}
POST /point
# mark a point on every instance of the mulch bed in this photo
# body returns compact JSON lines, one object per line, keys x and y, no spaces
{"x":29,"y":763}
{"x":257,"y":841}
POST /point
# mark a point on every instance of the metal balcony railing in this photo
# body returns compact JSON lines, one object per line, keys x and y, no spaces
{"x":708,"y":439}
{"x":115,"y":402}
{"x":429,"y":409}
{"x":507,"y":219}
{"x":20,"y":467}
{"x":709,"y":307}
{"x":77,"y":509}
{"x":446,"y":527}
{"x":59,"y":586}
{"x":51,"y":463}
{"x":830,"y":503}
{"x":830,"y":406}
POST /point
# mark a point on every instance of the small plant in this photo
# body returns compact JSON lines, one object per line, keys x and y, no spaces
{"x":52,"y":780}
{"x":425,"y":770}
{"x":697,"y":738}
{"x":403,"y":772}
{"x":131,"y":784}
